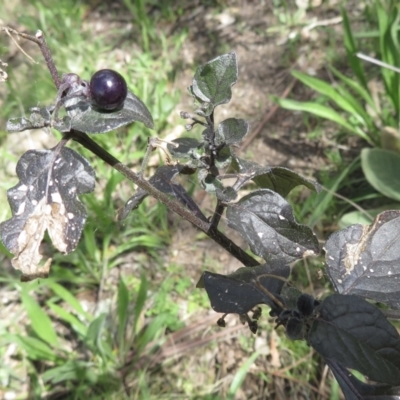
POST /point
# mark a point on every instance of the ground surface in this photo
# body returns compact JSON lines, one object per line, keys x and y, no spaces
{"x":205,"y":358}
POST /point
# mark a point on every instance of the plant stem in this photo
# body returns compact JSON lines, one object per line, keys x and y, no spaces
{"x":41,"y":42}
{"x":219,"y":209}
{"x":208,"y":228}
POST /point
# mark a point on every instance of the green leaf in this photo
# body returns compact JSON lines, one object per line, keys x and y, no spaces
{"x":241,"y":374}
{"x":212,"y":81}
{"x":36,"y":349}
{"x":140,"y":302}
{"x":95,"y":329}
{"x":72,"y":370}
{"x":327,"y":90}
{"x":321,"y":111}
{"x":66,"y":316}
{"x":381,"y":168}
{"x":155,"y":328}
{"x":356,"y":87}
{"x":351,"y":50}
{"x":325,"y":198}
{"x":68,"y":297}
{"x":231,"y":131}
{"x":364,"y":217}
{"x":389,"y":46}
{"x":39,"y":319}
{"x":122,"y":309}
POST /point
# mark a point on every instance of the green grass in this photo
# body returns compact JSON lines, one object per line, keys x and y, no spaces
{"x":349,"y":103}
{"x":65,"y":344}
{"x":101,"y":340}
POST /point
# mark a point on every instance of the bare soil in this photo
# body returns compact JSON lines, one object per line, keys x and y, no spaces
{"x":208,"y":358}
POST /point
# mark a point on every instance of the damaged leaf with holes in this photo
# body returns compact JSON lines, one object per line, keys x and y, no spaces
{"x":266,"y":221}
{"x":365,"y":259}
{"x":46,"y":199}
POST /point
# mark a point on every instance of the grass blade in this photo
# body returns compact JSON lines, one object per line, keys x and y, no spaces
{"x":351,"y":50}
{"x":241,"y":375}
{"x":355,"y":86}
{"x":68,"y":297}
{"x":140,"y":301}
{"x":66,"y":316}
{"x":321,"y":111}
{"x":36,"y":349}
{"x":387,"y":21}
{"x":39,"y":319}
{"x":327,"y":90}
{"x":122,"y":310}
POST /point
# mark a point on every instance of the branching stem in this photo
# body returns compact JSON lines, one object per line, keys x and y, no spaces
{"x":208,"y":228}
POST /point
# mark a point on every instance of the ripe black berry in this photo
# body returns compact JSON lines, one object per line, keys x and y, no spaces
{"x":108,"y":89}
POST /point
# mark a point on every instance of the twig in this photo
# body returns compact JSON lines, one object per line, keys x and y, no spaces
{"x":171,"y":203}
{"x":7,"y":30}
{"x":41,"y":42}
{"x":377,"y":62}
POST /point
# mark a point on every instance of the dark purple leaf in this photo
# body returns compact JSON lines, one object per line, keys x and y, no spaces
{"x":357,"y":335}
{"x":279,"y":179}
{"x":39,"y":118}
{"x":84,"y":118}
{"x":247,"y":287}
{"x":163,"y":181}
{"x":265,"y":220}
{"x":354,"y":389}
{"x":365,"y":260}
{"x":184,"y":147}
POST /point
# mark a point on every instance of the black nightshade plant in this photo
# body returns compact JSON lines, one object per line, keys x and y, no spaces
{"x":362,"y":262}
